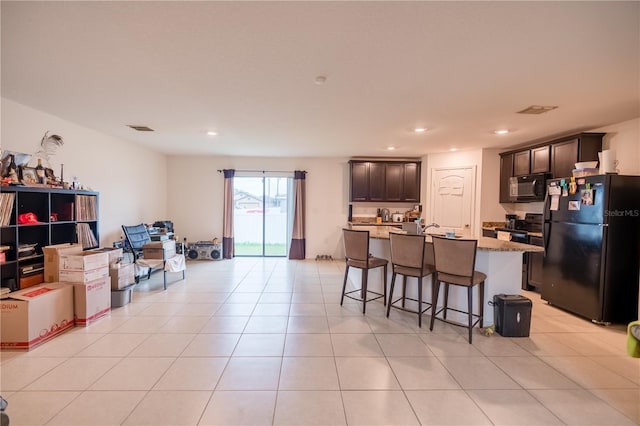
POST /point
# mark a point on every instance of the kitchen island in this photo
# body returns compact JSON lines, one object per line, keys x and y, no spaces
{"x":500,"y":260}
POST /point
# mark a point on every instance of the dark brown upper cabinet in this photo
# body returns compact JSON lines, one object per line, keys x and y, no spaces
{"x":377,"y":179}
{"x":521,"y":163}
{"x":411,"y":187}
{"x":359,"y":181}
{"x":565,"y":153}
{"x":540,"y":159}
{"x":385,"y":181}
{"x":506,"y":171}
{"x":556,"y":157}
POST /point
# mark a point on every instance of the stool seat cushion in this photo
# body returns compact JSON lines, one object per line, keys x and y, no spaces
{"x":372,"y":262}
{"x":414,"y":272}
{"x":478,"y":277}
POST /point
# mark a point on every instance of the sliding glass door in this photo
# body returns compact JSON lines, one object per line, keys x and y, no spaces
{"x":261,"y":215}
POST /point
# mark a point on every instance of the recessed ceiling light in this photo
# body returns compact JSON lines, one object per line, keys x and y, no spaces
{"x":391,"y":148}
{"x":420,"y":129}
{"x":453,"y":149}
{"x":212,"y":133}
{"x":501,"y":131}
{"x":320,"y":80}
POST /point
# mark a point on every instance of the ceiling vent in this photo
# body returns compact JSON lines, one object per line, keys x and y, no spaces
{"x":537,"y":109}
{"x":141,"y":128}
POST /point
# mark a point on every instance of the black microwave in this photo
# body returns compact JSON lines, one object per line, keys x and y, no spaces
{"x":527,"y":189}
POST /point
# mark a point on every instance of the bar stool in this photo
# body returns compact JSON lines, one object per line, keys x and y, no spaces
{"x":409,"y":258}
{"x":356,"y":249}
{"x":455,"y":262}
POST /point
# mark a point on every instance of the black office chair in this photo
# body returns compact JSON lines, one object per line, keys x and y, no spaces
{"x":138,"y":237}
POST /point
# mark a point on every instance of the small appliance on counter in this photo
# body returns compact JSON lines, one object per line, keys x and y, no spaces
{"x":386,"y":216}
{"x":397,"y":217}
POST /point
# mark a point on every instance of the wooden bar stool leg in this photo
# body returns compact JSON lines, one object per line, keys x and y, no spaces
{"x":481,"y":296}
{"x":344,"y":284}
{"x":446,"y":300}
{"x":404,"y":289}
{"x":365,"y":276}
{"x":420,"y":302}
{"x":434,"y":302}
{"x":393,"y":284}
{"x":384,"y":284}
{"x":470,"y":307}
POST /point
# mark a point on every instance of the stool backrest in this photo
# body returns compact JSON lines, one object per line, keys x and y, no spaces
{"x":455,"y":257}
{"x":356,"y":244}
{"x":407,"y":250}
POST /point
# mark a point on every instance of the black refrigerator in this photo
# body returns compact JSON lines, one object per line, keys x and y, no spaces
{"x":592,"y":247}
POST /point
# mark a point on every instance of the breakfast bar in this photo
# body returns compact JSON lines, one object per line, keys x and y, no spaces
{"x":500,"y":260}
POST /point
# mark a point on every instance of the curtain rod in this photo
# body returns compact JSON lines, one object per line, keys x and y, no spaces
{"x":264,"y":171}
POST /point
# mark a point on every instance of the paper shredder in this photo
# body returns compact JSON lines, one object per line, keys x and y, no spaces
{"x":512,"y":315}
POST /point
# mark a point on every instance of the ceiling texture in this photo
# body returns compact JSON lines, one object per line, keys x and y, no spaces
{"x":249,"y":71}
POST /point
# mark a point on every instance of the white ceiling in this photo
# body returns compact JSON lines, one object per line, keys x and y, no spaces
{"x":247,"y":70}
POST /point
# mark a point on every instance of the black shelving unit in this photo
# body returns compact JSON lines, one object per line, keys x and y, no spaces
{"x":58,"y":217}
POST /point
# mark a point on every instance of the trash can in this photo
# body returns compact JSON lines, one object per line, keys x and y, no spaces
{"x":512,"y":315}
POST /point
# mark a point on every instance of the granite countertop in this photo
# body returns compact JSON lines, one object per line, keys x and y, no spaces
{"x":493,"y":228}
{"x":484,"y":243}
{"x":396,"y":224}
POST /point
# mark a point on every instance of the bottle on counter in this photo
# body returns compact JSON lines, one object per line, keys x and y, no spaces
{"x":40,"y":172}
{"x":379,"y":216}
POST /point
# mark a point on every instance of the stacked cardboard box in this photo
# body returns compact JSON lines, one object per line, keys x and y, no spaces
{"x":89,"y":274}
{"x":122,"y":275}
{"x":52,"y":259}
{"x":159,"y":249}
{"x":35,"y":315}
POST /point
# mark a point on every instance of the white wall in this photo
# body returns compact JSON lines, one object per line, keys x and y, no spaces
{"x":195,"y":191}
{"x":490,"y":208}
{"x":131,"y":179}
{"x":624,"y":138}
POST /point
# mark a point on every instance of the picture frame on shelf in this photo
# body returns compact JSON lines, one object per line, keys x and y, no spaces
{"x":28,"y":175}
{"x":51,"y":177}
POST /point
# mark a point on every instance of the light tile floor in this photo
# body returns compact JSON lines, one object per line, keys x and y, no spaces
{"x":265,"y":341}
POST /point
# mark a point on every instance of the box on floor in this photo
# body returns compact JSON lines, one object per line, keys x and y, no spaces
{"x":83,"y":267}
{"x":122,"y":275}
{"x":91,"y":300}
{"x":52,"y":259}
{"x":35,"y":315}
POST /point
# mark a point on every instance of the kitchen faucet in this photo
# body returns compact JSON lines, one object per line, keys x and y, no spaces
{"x":431,"y":225}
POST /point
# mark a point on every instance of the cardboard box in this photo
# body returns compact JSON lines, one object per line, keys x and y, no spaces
{"x":83,"y":276}
{"x":31,"y":317}
{"x":31,"y":280}
{"x":91,"y":300}
{"x":83,"y":261}
{"x":159,"y":249}
{"x":122,"y":275}
{"x":52,"y":259}
{"x":115,"y":254}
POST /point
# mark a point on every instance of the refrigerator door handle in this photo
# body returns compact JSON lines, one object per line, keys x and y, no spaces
{"x":545,"y":237}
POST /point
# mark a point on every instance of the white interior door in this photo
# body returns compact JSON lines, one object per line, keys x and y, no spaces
{"x":452,"y":198}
